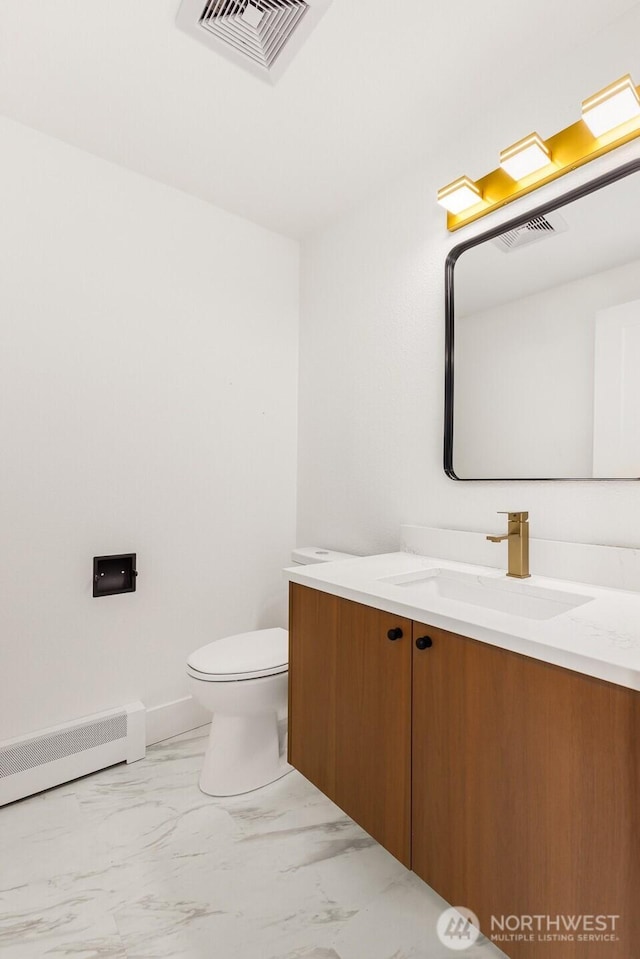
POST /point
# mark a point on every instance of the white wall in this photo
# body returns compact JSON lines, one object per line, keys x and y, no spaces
{"x":372,"y":339}
{"x":148,"y":376}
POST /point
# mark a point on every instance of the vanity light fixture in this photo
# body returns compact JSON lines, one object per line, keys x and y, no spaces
{"x":460,"y":195}
{"x":610,"y":118}
{"x":525,"y":157}
{"x":610,"y":108}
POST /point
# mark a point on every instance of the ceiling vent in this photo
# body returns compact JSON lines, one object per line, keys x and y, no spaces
{"x":263,"y":36}
{"x":535,"y":229}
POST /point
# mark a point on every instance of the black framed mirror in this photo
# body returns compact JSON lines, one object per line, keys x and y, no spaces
{"x":542,"y":362}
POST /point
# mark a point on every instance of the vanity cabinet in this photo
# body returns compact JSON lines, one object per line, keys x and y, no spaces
{"x":526,"y":791}
{"x":511,"y":786}
{"x":350,"y":710}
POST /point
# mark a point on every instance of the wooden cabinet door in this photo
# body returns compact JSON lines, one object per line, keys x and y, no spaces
{"x":526,"y":791}
{"x":373,"y":718}
{"x":350,"y":711}
{"x":313,"y":644}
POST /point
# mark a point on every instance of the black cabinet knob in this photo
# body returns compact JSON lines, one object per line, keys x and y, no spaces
{"x":424,"y":642}
{"x":395,"y":633}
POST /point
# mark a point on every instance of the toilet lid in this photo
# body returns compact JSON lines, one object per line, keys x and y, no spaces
{"x":262,"y":652}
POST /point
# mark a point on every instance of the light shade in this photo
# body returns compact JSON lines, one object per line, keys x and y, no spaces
{"x":459,"y":195}
{"x":525,"y":157}
{"x":616,"y":104}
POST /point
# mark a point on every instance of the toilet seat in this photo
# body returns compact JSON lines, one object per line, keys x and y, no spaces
{"x":244,"y":656}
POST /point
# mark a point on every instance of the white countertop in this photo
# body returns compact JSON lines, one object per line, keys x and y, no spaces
{"x":600,"y":638}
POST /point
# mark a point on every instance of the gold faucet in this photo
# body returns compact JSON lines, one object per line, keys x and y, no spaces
{"x":517,"y":536}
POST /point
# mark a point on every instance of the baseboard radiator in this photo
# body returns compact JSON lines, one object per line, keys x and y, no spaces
{"x":59,"y":754}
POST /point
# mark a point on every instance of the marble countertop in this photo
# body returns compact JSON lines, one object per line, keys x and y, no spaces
{"x":599,"y":638}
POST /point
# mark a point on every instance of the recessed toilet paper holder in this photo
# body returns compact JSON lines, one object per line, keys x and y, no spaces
{"x":114,"y":574}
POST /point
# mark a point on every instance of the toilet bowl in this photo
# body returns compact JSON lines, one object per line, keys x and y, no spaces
{"x":242,"y":680}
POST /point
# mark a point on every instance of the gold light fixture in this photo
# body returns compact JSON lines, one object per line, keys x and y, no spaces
{"x":610,"y":108}
{"x":610,"y":118}
{"x":525,"y":157}
{"x":460,"y":195}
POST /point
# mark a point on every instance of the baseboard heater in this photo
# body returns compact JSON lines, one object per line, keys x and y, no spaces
{"x":59,"y":754}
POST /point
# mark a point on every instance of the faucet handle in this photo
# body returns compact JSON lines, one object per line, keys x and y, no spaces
{"x":519,"y":517}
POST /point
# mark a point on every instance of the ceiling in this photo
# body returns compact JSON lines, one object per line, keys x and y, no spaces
{"x":377,"y":87}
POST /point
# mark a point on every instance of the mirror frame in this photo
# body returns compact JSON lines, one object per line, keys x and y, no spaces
{"x":590,"y":187}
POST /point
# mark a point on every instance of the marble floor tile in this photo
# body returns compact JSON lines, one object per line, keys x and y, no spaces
{"x":33,"y":926}
{"x":400,"y":924}
{"x":135,"y":862}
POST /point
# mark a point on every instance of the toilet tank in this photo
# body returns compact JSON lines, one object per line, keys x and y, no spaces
{"x":306,"y":555}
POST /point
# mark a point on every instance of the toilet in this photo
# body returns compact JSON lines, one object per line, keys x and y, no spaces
{"x":242,"y":680}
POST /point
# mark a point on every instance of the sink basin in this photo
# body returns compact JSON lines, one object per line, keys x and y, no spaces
{"x":490,"y":592}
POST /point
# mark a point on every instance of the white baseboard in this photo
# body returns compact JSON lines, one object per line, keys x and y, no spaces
{"x":174,"y":718}
{"x":48,"y":757}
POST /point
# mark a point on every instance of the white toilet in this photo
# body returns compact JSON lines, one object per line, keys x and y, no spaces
{"x":242,"y":679}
